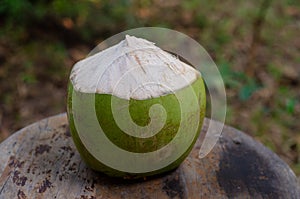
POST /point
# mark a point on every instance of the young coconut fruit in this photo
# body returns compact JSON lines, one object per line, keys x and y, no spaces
{"x":135,"y":110}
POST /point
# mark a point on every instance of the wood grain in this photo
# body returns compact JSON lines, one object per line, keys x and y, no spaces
{"x":40,"y":161}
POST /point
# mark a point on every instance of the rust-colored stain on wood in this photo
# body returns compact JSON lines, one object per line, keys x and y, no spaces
{"x":41,"y":161}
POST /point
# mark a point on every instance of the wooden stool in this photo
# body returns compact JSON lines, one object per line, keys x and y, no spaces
{"x":40,"y":161}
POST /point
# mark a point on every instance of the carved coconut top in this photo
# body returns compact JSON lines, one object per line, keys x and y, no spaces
{"x":134,"y":68}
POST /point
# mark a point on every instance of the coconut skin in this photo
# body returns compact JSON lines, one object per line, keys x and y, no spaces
{"x":177,"y":114}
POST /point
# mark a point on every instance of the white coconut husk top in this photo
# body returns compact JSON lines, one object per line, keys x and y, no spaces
{"x":134,"y":68}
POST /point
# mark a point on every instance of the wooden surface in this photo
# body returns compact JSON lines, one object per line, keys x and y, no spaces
{"x":40,"y":161}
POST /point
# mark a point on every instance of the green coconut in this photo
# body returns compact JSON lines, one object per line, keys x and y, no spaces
{"x":134,"y":110}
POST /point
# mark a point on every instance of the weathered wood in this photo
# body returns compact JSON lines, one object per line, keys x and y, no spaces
{"x":40,"y":161}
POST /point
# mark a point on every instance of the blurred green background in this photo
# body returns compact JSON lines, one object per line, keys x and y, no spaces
{"x":255,"y":43}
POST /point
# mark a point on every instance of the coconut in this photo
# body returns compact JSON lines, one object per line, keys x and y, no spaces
{"x":134,"y":109}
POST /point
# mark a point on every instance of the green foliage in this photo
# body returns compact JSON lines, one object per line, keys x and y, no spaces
{"x":222,"y":37}
{"x":275,"y":71}
{"x":238,"y":80}
{"x":13,"y":8}
{"x":287,"y":102}
{"x":201,"y":20}
{"x":290,"y":105}
{"x":248,"y":89}
{"x":85,"y":17}
{"x":293,"y":2}
{"x":229,"y":76}
{"x":191,"y":4}
{"x":28,"y":78}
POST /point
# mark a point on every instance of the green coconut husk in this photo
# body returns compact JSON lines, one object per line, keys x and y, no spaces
{"x":187,"y":114}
